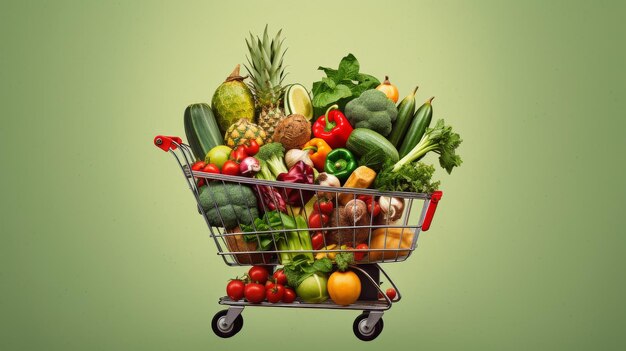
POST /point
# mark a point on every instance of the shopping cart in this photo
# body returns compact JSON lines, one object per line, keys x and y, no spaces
{"x":398,"y":232}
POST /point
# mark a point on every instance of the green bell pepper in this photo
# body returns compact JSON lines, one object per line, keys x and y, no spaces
{"x":340,"y":163}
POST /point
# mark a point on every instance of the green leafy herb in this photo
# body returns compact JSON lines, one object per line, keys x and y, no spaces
{"x":343,"y":260}
{"x":411,"y":177}
{"x":341,"y":85}
{"x":440,"y":139}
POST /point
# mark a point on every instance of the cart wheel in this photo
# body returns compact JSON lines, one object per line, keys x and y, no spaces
{"x":218,"y":324}
{"x":363,"y":332}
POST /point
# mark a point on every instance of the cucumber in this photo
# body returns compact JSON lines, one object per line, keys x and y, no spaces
{"x":372,"y":148}
{"x":201,"y":129}
{"x":420,"y":122}
{"x":406,"y":110}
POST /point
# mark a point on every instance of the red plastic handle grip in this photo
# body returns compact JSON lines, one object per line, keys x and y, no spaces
{"x":166,"y":143}
{"x":432,"y":207}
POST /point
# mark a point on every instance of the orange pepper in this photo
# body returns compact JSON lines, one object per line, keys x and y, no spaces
{"x":318,"y":149}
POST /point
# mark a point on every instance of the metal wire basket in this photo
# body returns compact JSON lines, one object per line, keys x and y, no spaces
{"x":390,"y":236}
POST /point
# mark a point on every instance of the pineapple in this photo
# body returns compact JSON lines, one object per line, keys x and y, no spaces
{"x":243,"y":131}
{"x":265,"y":67}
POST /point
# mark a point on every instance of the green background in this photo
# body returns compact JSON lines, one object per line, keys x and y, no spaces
{"x":102,"y":247}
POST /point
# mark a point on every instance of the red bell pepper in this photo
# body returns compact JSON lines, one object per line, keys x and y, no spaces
{"x":333,"y":127}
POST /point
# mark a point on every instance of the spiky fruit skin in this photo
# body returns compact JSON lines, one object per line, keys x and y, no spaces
{"x":270,"y":117}
{"x":232,"y":101}
{"x":243,"y":130}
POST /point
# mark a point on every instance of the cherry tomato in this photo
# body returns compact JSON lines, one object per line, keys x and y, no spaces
{"x":258,"y":274}
{"x":324,"y":206}
{"x":230,"y":168}
{"x":391,"y":293}
{"x":269,"y":284}
{"x":317,"y":240}
{"x":198,"y":166}
{"x":238,"y":154}
{"x":289,"y":295}
{"x":275,"y":294}
{"x":358,"y":255}
{"x":210,"y":168}
{"x":251,"y":148}
{"x":254,"y":292}
{"x":365,"y":198}
{"x":317,"y":220}
{"x":280,"y":277}
{"x":235,"y":289}
{"x":201,"y":182}
{"x":373,"y":208}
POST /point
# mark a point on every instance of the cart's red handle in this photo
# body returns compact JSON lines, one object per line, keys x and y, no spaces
{"x":166,"y":143}
{"x":430,"y":213}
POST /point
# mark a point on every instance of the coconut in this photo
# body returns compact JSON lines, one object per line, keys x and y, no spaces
{"x":293,"y":132}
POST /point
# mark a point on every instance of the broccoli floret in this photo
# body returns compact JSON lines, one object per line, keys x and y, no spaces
{"x":273,"y":154}
{"x":372,"y":110}
{"x":228,"y":205}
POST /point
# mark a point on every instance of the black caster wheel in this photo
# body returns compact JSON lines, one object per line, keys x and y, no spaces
{"x":218,"y":324}
{"x":367,"y":333}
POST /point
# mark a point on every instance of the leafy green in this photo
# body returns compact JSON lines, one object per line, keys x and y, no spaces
{"x":302,"y":267}
{"x":411,"y":177}
{"x":296,"y":238}
{"x":341,"y":85}
{"x":343,"y":260}
{"x":440,"y":139}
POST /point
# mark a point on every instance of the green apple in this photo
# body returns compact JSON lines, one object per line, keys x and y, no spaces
{"x":218,"y":155}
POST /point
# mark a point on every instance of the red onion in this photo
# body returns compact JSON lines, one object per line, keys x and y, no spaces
{"x":249,"y":166}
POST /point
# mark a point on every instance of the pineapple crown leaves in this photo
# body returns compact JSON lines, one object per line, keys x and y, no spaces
{"x":265,"y":67}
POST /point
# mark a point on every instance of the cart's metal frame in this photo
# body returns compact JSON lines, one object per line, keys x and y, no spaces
{"x":367,"y":326}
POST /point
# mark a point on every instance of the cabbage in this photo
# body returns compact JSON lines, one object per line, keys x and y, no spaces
{"x":313,"y":289}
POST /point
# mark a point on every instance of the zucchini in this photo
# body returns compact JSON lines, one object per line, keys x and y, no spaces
{"x":201,"y":129}
{"x":420,"y":122}
{"x":406,"y":110}
{"x":372,"y":148}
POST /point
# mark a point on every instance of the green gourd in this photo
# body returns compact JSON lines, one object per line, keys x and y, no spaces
{"x":421,"y":121}
{"x":201,"y":129}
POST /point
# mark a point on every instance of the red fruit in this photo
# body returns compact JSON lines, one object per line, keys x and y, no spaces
{"x":391,"y":293}
{"x":324,"y":206}
{"x":359,"y":255}
{"x":373,"y":208}
{"x":317,"y":240}
{"x":238,"y":154}
{"x":258,"y":274}
{"x":210,"y":168}
{"x":230,"y":168}
{"x":198,"y":166}
{"x":254,"y":292}
{"x":251,"y":148}
{"x":317,"y":220}
{"x":235,"y":289}
{"x":280,"y":277}
{"x":289,"y":295}
{"x":275,"y":294}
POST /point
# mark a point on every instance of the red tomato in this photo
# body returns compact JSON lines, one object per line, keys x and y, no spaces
{"x":275,"y":294}
{"x":324,"y":206}
{"x":317,"y":220}
{"x":238,"y":154}
{"x":289,"y":295}
{"x":254,"y":292}
{"x":269,"y":284}
{"x":210,"y":168}
{"x":365,"y":198}
{"x":280,"y":277}
{"x":317,"y":240}
{"x":251,"y":148}
{"x":234,"y":289}
{"x":258,"y":274}
{"x":230,"y":168}
{"x":373,"y":208}
{"x":198,"y":166}
{"x":359,"y":255}
{"x":201,"y":182}
{"x":391,"y":293}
